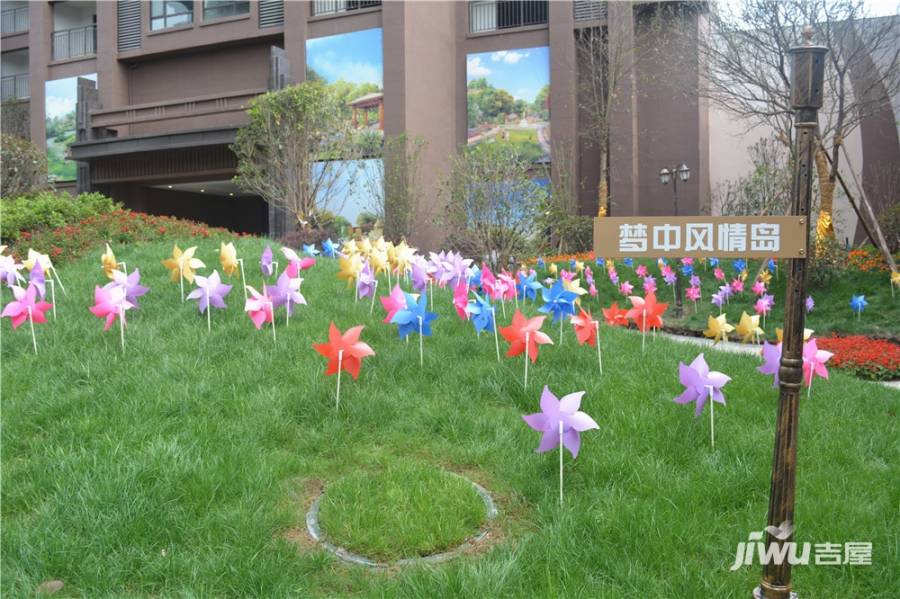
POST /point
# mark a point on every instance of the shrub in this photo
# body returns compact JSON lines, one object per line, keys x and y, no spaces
{"x":890,"y":226}
{"x":24,"y":167}
{"x":73,"y":240}
{"x":49,"y":210}
{"x":874,"y":359}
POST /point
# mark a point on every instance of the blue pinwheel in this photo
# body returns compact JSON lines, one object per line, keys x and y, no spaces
{"x":330,"y":248}
{"x":572,"y":263}
{"x":414,"y":318}
{"x":475,"y":277}
{"x":540,"y":263}
{"x":739,"y":265}
{"x":527,"y":287}
{"x":600,"y":262}
{"x":714,"y":262}
{"x":687,"y":270}
{"x":482,"y":313}
{"x":858,"y":303}
{"x":558,"y":301}
{"x":628,"y":262}
{"x":310,"y":249}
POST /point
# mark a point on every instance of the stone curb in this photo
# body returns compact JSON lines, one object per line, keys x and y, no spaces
{"x":312,"y":526}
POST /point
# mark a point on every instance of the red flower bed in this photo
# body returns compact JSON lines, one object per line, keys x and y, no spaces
{"x":869,"y":358}
{"x":119,"y":226}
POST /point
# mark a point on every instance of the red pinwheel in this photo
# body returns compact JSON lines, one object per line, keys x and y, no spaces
{"x":344,"y":350}
{"x":615,"y":316}
{"x":524,"y":336}
{"x":646,"y":312}
{"x":585,"y":328}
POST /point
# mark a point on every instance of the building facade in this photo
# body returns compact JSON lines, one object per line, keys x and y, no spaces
{"x":160,"y":89}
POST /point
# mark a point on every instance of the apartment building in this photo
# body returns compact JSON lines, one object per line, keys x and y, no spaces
{"x":158,"y":89}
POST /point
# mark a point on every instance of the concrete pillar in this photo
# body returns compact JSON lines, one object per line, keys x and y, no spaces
{"x":563,"y":100}
{"x":623,"y":116}
{"x":39,"y":31}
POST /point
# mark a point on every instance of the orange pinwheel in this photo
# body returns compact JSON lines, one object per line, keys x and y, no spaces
{"x":585,"y":328}
{"x":615,"y":316}
{"x":646,"y":313}
{"x":344,"y":350}
{"x":524,"y":335}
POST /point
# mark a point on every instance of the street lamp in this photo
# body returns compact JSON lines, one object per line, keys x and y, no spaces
{"x":673,"y":174}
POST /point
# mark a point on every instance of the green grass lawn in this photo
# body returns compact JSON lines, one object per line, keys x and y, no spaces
{"x":180,"y":468}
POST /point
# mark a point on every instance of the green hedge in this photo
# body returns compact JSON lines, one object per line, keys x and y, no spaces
{"x":49,"y":210}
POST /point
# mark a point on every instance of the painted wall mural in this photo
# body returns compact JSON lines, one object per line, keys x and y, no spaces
{"x":509,"y":99}
{"x":59,"y":117}
{"x":351,"y":65}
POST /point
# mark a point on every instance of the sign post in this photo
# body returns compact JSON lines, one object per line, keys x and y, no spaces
{"x":807,"y":76}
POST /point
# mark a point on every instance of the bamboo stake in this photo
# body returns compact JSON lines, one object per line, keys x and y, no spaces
{"x":33,"y":337}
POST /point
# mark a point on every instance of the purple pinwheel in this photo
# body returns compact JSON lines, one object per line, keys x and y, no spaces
{"x":700,"y":383}
{"x":810,"y":304}
{"x":726,"y":291}
{"x":670,"y":278}
{"x":458,"y":268}
{"x":695,"y":281}
{"x":9,"y":271}
{"x":36,"y":278}
{"x":771,"y":353}
{"x":210,"y":291}
{"x":286,"y":292}
{"x":649,"y":285}
{"x":131,"y":283}
{"x":718,"y":299}
{"x":420,"y":274}
{"x":561,"y":414}
{"x":265,"y":262}
{"x":365,"y":282}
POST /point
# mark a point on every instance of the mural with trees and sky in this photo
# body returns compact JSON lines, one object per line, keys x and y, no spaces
{"x":509,"y":99}
{"x":351,"y":65}
{"x":61,"y":96}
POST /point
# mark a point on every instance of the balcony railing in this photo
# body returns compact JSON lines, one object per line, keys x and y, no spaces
{"x":589,"y":10}
{"x":330,"y":7}
{"x":491,"y":15}
{"x":14,"y":20}
{"x":15,"y":87}
{"x":72,"y":43}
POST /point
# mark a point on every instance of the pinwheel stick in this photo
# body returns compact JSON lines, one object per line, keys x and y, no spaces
{"x":496,"y":336}
{"x":122,"y":327}
{"x":243,"y":280}
{"x":712,"y":419}
{"x":431,"y":293}
{"x":421,"y":344}
{"x":643,"y":329}
{"x":272,"y":308}
{"x":388,"y":269}
{"x":526,"y":359}
{"x":181,"y":279}
{"x":124,"y":267}
{"x":561,"y":323}
{"x":208,"y":313}
{"x":53,"y":296}
{"x":287,"y":313}
{"x":58,"y":280}
{"x":599,"y":355}
{"x":337,"y":401}
{"x":374,"y":293}
{"x":560,"y":462}
{"x":33,"y":338}
{"x":809,"y":388}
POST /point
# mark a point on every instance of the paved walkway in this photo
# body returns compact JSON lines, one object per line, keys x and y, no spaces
{"x":740,"y":348}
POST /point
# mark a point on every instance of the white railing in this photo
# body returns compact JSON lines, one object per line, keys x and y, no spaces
{"x":14,"y":20}
{"x":490,"y":15}
{"x":15,"y":87}
{"x":72,"y":43}
{"x":330,"y":7}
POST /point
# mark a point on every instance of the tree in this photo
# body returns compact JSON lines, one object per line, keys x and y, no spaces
{"x":23,"y":166}
{"x":296,"y":150}
{"x":394,"y":186}
{"x":491,"y":203}
{"x":748,"y":61}
{"x":766,"y":191}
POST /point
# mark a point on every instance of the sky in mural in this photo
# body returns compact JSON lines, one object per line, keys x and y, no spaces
{"x":61,"y":96}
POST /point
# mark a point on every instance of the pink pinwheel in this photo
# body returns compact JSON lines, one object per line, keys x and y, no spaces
{"x":758,"y":287}
{"x":565,"y":275}
{"x":110,"y":303}
{"x":259,"y":308}
{"x":592,"y":290}
{"x":507,"y":282}
{"x":666,"y":271}
{"x":670,"y":277}
{"x":588,"y":275}
{"x":614,"y":278}
{"x":25,"y":306}
{"x":461,"y":299}
{"x":560,"y":415}
{"x":814,"y":361}
{"x":641,"y":270}
{"x":626,"y":288}
{"x":295,"y":267}
{"x":762,"y":306}
{"x":692,"y":293}
{"x":737,"y":285}
{"x":771,"y":353}
{"x":394,"y":302}
{"x":700,"y":384}
{"x":649,"y":285}
{"x":687,"y":261}
{"x":210,"y":291}
{"x":489,"y":282}
{"x":717,"y":272}
{"x":131,"y":283}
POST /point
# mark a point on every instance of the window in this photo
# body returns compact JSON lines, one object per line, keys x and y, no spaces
{"x":218,"y":9}
{"x":170,"y":13}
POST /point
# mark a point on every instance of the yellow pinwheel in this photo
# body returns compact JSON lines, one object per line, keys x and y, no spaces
{"x":228,"y":258}
{"x":39,"y":258}
{"x":378,"y":261}
{"x":553,"y":269}
{"x":895,"y":277}
{"x":108,"y":262}
{"x":575,"y":287}
{"x":718,"y":328}
{"x":403,"y":257}
{"x":579,"y":266}
{"x":349,"y":267}
{"x":807,"y":333}
{"x":765,"y":276}
{"x":183,"y":264}
{"x":748,"y":328}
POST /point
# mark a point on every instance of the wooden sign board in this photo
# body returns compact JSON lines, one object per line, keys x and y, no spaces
{"x":700,"y":237}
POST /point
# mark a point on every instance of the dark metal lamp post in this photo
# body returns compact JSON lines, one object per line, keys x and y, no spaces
{"x":674,"y":174}
{"x":807,"y":76}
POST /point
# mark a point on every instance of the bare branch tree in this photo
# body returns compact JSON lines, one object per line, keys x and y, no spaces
{"x":296,"y":152}
{"x":394,"y":186}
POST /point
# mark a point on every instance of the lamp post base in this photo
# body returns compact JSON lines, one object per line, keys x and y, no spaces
{"x":757,"y":594}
